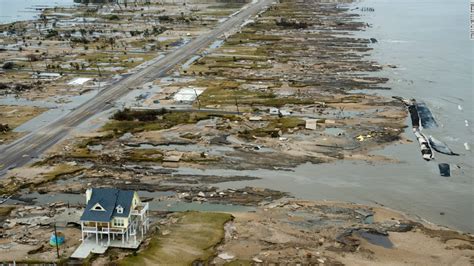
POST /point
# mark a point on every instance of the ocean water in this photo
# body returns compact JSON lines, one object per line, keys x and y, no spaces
{"x":19,"y":10}
{"x":429,"y":42}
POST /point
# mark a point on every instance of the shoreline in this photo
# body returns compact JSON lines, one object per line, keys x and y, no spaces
{"x":270,"y":127}
{"x":343,"y":233}
{"x":35,"y":9}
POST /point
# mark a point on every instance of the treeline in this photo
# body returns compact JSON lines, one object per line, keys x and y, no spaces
{"x":142,"y":115}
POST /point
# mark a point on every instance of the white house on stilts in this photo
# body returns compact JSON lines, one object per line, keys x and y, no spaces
{"x":112,"y":218}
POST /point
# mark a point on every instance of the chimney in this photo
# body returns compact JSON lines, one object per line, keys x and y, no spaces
{"x":88,"y":194}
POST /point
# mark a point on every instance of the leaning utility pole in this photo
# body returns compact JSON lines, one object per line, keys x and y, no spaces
{"x":56,"y":240}
{"x":98,"y":68}
{"x":197,"y":98}
{"x":237,"y":105}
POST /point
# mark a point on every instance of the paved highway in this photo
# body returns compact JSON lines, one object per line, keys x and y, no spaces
{"x":35,"y":143}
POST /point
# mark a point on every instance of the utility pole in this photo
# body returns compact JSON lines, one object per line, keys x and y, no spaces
{"x":56,"y":240}
{"x":30,"y":60}
{"x":98,"y":85}
{"x":237,"y":105}
{"x":98,"y":68}
{"x":197,"y":98}
{"x":100,"y":75}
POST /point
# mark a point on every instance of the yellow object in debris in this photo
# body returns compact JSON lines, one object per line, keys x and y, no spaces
{"x":369,"y":136}
{"x":360,"y":138}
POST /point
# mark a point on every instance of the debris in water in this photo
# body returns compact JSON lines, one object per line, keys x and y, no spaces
{"x":426,"y":117}
{"x":466,"y":146}
{"x":426,"y":151}
{"x":367,"y":9}
{"x":444,"y":169}
{"x":415,"y":119}
{"x":368,"y":217}
{"x":441,"y":147}
{"x":459,"y":107}
{"x":466,"y":122}
{"x":420,"y":114}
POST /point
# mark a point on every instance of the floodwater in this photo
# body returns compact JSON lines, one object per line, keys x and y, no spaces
{"x":56,"y":110}
{"x":429,"y":43}
{"x":19,"y":10}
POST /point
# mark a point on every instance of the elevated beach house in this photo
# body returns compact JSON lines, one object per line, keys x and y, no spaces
{"x":114,"y":217}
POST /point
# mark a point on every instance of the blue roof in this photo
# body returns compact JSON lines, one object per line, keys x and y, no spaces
{"x":109,"y":199}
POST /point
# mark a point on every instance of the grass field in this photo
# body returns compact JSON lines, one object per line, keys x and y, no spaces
{"x":192,"y":238}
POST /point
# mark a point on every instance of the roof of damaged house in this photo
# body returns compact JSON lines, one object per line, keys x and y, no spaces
{"x":103,"y":203}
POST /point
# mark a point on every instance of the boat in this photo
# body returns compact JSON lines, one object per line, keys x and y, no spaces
{"x":426,"y":117}
{"x":426,"y":151}
{"x":415,"y":119}
{"x":412,"y":110}
{"x":407,"y":102}
{"x":440,"y":146}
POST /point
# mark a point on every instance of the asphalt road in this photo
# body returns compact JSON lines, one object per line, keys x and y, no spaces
{"x":35,"y":143}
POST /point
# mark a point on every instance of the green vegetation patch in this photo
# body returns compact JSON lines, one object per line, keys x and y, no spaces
{"x":5,"y":211}
{"x":247,"y":37}
{"x":142,"y":155}
{"x":138,"y":121}
{"x":82,"y":153}
{"x":229,"y":96}
{"x":61,"y":170}
{"x":94,"y":141}
{"x":272,"y":129}
{"x":229,"y":93}
{"x":192,"y":238}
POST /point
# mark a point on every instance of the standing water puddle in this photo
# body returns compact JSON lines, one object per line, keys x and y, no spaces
{"x":179,"y":206}
{"x":375,"y":239}
{"x":59,"y":106}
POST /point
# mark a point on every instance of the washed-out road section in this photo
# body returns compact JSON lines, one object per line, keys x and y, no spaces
{"x":35,"y":143}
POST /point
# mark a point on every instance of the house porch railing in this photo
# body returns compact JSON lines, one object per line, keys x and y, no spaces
{"x":141,"y":209}
{"x":90,"y":229}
